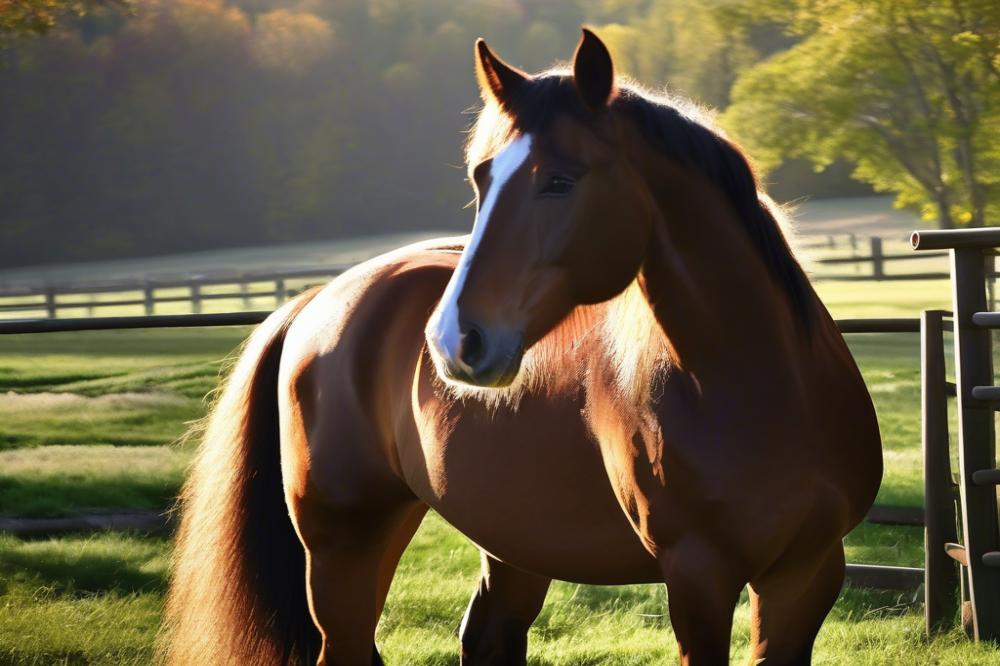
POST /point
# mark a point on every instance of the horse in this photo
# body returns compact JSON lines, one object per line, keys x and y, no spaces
{"x":622,"y":376}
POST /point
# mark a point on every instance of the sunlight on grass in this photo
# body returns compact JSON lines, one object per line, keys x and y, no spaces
{"x":92,"y":600}
{"x":117,"y":419}
{"x":98,"y":600}
{"x":63,"y":480}
{"x":883,"y":299}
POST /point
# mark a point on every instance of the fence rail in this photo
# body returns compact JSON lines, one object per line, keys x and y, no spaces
{"x":877,"y":258}
{"x":54,"y":298}
{"x":51,"y":298}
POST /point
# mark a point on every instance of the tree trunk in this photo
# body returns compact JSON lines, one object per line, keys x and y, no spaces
{"x":965,"y":159}
{"x":944,"y":211}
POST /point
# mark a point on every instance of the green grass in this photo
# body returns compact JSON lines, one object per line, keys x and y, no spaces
{"x":97,"y":600}
{"x":83,"y":600}
{"x":124,"y":388}
{"x":884,"y":299}
{"x":101,"y":362}
{"x":890,"y":364}
{"x":64,"y":480}
{"x":89,"y":421}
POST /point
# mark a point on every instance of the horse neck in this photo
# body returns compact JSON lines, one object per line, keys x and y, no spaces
{"x":709,"y":288}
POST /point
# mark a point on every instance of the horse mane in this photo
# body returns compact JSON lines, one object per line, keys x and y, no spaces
{"x":678,"y":129}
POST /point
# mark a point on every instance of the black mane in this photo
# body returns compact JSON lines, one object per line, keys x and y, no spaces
{"x":687,"y":141}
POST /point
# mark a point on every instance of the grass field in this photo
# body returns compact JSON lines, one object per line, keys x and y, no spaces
{"x":93,"y":421}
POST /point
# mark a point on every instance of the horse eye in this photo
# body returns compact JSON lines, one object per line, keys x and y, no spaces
{"x":559,"y":185}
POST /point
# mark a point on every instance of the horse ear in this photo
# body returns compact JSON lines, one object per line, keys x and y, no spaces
{"x":594,"y":72}
{"x":497,"y":80}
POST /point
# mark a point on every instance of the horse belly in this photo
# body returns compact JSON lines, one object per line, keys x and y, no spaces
{"x":530,"y":488}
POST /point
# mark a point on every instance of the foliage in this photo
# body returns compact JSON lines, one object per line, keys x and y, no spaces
{"x":907,"y":90}
{"x":193,"y":124}
{"x":207,"y":123}
{"x":35,"y":17}
{"x":697,"y":48}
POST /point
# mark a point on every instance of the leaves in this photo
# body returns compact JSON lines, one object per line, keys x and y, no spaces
{"x":34,"y":17}
{"x":904,"y":89}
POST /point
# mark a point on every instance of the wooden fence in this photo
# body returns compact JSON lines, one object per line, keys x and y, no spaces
{"x":148,"y":291}
{"x":962,"y":539}
{"x":867,"y":255}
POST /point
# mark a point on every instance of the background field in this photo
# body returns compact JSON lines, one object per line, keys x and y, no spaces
{"x":94,"y":422}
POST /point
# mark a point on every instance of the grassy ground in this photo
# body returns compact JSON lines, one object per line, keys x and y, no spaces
{"x":96,"y":600}
{"x":92,"y":421}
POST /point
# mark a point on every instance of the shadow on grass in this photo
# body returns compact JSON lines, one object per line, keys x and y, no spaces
{"x":71,"y":658}
{"x":11,"y":380}
{"x":30,"y":440}
{"x":69,"y":572}
{"x":52,"y":496}
{"x":214,"y":343}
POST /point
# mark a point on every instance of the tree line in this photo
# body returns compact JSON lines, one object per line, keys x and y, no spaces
{"x":147,"y":126}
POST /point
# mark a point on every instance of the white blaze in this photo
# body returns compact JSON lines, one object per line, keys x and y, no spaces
{"x":444,"y":329}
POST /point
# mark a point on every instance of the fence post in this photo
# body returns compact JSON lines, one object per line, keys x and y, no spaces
{"x":245,"y":290}
{"x":878,"y":270}
{"x":50,"y":302}
{"x":148,"y":298}
{"x":977,"y":446}
{"x":991,"y":269}
{"x":195,"y":298}
{"x":280,"y":294}
{"x":941,"y":574}
{"x":854,"y":244}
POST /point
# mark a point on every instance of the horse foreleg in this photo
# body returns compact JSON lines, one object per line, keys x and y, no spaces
{"x":351,"y":556}
{"x":506,"y":603}
{"x":702,"y":593}
{"x":788,"y":607}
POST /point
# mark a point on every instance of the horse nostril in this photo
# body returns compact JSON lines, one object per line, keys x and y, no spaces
{"x":473,"y":346}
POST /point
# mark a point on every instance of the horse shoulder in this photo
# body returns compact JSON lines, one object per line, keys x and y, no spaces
{"x":347,"y":366}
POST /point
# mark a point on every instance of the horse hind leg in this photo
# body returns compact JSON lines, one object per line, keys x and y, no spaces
{"x":351,"y":556}
{"x":503,"y":608}
{"x":788,"y":608}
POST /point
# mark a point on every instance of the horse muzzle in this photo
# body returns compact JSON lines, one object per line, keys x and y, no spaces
{"x":484,"y":357}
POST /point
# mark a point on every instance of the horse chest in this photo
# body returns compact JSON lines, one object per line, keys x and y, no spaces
{"x":686,"y":460}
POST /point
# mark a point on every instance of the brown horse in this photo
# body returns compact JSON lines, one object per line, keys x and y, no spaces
{"x":624,"y":377}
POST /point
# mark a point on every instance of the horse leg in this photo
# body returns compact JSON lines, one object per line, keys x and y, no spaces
{"x":788,"y":608}
{"x":351,"y":556}
{"x":495,"y":627}
{"x":702,"y":593}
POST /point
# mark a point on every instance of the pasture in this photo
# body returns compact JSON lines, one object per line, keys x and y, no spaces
{"x":94,"y":422}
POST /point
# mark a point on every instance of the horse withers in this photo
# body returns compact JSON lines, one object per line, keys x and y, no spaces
{"x":623,"y":376}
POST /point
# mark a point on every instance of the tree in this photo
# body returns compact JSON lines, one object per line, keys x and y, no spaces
{"x":35,"y":17}
{"x":907,"y":90}
{"x":692,"y":45}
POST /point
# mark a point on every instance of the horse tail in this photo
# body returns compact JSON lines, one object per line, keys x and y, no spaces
{"x":237,"y":593}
